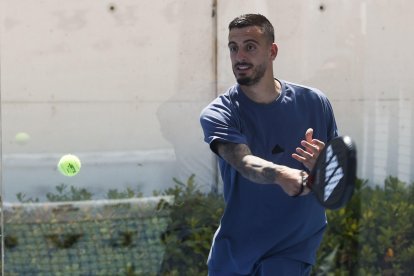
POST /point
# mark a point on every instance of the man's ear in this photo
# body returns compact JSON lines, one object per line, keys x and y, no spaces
{"x":273,"y":51}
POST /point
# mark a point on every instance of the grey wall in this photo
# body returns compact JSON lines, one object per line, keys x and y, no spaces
{"x":121,"y":84}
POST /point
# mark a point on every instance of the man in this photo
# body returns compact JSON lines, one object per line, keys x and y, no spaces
{"x":267,"y":134}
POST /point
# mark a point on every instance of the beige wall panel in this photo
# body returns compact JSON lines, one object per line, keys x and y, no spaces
{"x":360,"y":54}
{"x":109,"y":81}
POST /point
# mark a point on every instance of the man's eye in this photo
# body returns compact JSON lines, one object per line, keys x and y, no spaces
{"x":250,"y":47}
{"x":233,"y":49}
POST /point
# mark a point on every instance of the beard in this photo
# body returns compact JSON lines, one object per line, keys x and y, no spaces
{"x":256,"y":76}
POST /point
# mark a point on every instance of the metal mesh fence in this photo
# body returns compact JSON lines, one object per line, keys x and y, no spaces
{"x":106,"y":237}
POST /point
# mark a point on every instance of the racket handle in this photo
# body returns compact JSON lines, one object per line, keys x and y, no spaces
{"x":309,"y":180}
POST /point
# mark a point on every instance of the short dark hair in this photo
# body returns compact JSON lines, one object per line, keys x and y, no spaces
{"x":248,"y":20}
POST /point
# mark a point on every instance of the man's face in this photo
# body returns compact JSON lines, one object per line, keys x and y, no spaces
{"x":251,"y":54}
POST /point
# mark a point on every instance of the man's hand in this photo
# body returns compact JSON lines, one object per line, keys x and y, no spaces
{"x":310,"y":151}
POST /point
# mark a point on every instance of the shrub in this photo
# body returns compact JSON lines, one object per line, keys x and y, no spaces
{"x":194,"y":219}
{"x":373,"y":234}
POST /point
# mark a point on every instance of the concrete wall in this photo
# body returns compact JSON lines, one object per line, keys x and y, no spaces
{"x":121,"y":84}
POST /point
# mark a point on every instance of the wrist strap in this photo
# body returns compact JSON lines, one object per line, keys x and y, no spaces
{"x":303,"y":184}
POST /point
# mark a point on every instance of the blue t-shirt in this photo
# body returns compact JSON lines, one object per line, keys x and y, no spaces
{"x":262,"y":220}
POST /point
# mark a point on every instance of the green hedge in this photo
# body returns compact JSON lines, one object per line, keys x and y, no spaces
{"x":195,"y":217}
{"x":372,"y":235}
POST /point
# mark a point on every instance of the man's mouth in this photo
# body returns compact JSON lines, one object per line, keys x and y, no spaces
{"x":242,"y":66}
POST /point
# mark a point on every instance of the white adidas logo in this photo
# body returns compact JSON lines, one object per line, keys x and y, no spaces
{"x":333,"y":173}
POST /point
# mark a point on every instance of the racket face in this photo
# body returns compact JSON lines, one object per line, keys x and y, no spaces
{"x":334,"y":175}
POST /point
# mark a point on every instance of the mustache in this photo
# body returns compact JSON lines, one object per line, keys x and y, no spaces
{"x":242,"y":64}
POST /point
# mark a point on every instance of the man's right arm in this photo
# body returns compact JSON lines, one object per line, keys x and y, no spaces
{"x":258,"y":170}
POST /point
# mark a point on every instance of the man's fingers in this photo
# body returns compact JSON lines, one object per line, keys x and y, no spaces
{"x":309,"y":135}
{"x":303,"y":153}
{"x":318,"y":143}
{"x":315,"y":146}
{"x":309,"y":147}
{"x":298,"y":157}
{"x":310,"y":151}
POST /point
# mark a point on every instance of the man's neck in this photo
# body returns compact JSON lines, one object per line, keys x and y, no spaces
{"x":264,"y":92}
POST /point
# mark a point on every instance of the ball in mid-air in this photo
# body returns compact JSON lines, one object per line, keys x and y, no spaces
{"x":69,"y":165}
{"x":22,"y":138}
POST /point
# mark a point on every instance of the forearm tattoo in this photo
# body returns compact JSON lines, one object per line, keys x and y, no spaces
{"x":251,"y":167}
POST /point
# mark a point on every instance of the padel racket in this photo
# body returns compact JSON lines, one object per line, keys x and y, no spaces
{"x":332,"y":180}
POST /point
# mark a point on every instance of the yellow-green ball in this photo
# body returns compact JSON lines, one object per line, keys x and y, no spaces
{"x":22,"y":138}
{"x":69,"y":165}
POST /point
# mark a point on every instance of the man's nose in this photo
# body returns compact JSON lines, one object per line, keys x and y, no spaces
{"x":240,"y":56}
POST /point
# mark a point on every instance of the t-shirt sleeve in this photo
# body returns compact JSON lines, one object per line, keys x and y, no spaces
{"x":220,"y":123}
{"x":331,"y":123}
